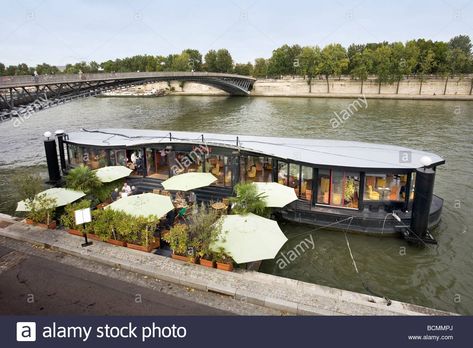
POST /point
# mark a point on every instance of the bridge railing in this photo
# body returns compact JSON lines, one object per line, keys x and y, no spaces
{"x":30,"y":80}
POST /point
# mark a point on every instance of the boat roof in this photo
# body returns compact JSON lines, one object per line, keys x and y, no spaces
{"x":324,"y":152}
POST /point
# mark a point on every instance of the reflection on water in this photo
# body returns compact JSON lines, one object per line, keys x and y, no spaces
{"x":438,"y":276}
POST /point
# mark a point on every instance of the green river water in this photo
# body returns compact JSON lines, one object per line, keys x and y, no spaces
{"x":437,"y":276}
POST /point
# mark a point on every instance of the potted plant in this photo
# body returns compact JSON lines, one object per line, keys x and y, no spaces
{"x":204,"y":227}
{"x":82,"y":178}
{"x":224,"y":260}
{"x":103,"y":226}
{"x":178,"y":239}
{"x":41,"y":211}
{"x":68,"y":218}
{"x":144,"y":238}
{"x":248,"y":200}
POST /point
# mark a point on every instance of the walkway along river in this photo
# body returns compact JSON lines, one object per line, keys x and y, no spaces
{"x":437,"y":276}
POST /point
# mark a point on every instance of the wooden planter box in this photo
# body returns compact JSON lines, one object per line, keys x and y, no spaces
{"x":74,"y":232}
{"x":225,"y":266}
{"x":117,"y":242}
{"x":179,"y":257}
{"x":52,"y":225}
{"x":147,"y":249}
{"x":207,"y":263}
{"x":93,"y":236}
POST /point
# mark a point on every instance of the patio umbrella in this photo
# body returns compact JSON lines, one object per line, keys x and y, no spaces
{"x":146,"y":204}
{"x":276,"y":195}
{"x":112,"y":173}
{"x":188,"y":181}
{"x":248,"y":238}
{"x":62,"y":196}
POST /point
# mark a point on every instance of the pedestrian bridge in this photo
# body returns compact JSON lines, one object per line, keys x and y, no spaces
{"x":33,"y":93}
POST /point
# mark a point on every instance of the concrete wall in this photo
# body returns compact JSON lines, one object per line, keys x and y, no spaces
{"x":344,"y":87}
{"x":299,"y":86}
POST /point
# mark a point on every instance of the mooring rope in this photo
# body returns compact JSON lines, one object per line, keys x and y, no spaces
{"x":388,"y":301}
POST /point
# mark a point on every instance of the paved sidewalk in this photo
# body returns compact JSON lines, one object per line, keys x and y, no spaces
{"x":274,"y":292}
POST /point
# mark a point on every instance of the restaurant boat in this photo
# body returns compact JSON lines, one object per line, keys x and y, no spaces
{"x":345,"y":185}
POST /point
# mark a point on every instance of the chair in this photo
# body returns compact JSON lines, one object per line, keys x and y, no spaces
{"x":372,"y":195}
{"x":252,"y":172}
{"x":303,"y":187}
{"x":308,"y":195}
{"x":336,"y":199}
{"x":394,"y":195}
{"x":325,"y":199}
{"x":381,"y":182}
{"x":228,"y":177}
{"x":216,"y":169}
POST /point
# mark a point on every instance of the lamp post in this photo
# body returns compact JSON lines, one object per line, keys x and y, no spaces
{"x":51,"y":157}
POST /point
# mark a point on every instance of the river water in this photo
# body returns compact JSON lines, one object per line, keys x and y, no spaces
{"x":437,"y":276}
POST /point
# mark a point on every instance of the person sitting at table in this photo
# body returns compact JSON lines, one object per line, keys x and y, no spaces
{"x":114,"y":195}
{"x":133,"y":190}
{"x":192,"y":198}
{"x":126,"y":188}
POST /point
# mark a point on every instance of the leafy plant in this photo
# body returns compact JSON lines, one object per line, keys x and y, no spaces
{"x":104,"y":192}
{"x":248,"y":200}
{"x":83,"y":179}
{"x":68,"y":218}
{"x":41,"y":209}
{"x":178,"y":239}
{"x":222,"y":256}
{"x":349,"y":189}
{"x":104,"y":223}
{"x":204,"y":227}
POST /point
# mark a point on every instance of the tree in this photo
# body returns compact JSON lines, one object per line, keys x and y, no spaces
{"x":224,"y":61}
{"x":82,"y":179}
{"x":461,"y":42}
{"x":334,"y":61}
{"x":309,"y":63}
{"x":404,"y":59}
{"x":284,"y":60}
{"x":382,"y":65}
{"x":195,"y":59}
{"x":181,"y":62}
{"x":2,"y":69}
{"x":261,"y":68}
{"x":426,"y":64}
{"x":244,"y":69}
{"x":362,"y":64}
{"x":211,"y":61}
{"x":248,"y":200}
{"x":45,"y":68}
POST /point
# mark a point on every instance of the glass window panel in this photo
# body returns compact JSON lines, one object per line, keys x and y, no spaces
{"x":306,"y":183}
{"x":323,"y":186}
{"x":282,"y":172}
{"x":351,"y":189}
{"x":336,"y":188}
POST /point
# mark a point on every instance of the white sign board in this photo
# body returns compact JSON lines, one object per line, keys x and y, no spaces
{"x":82,"y":216}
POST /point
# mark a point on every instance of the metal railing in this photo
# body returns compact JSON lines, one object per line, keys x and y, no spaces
{"x":30,"y":80}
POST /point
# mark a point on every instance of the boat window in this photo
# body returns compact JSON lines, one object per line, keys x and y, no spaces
{"x":338,"y":188}
{"x":215,"y":164}
{"x":294,"y":173}
{"x":323,"y":186}
{"x":150,"y":161}
{"x":257,"y":169}
{"x":306,"y":183}
{"x":75,"y":154}
{"x":385,"y":187}
{"x":95,"y":158}
{"x":282,"y":172}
